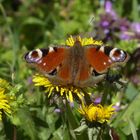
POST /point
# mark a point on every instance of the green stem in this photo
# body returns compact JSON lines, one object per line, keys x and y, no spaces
{"x":73,"y":123}
{"x":105,"y":94}
{"x":15,"y":133}
{"x":99,"y":137}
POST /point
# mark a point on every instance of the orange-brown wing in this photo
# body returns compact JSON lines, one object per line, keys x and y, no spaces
{"x":101,"y":57}
{"x":47,"y":60}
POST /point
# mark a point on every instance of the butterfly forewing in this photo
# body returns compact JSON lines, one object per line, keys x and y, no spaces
{"x":47,"y":60}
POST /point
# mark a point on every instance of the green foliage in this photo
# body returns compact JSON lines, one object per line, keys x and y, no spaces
{"x":29,"y":24}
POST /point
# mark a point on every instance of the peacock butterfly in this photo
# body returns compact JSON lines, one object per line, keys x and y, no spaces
{"x":80,"y":66}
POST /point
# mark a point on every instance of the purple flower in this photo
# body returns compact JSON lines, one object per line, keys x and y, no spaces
{"x":124,"y":28}
{"x":125,"y":36}
{"x":104,"y":23}
{"x":57,"y":110}
{"x":97,"y":100}
{"x":124,"y":24}
{"x":133,"y":32}
{"x":108,"y":6}
{"x":111,"y":27}
{"x":135,"y":27}
{"x":117,"y":106}
{"x":109,"y":10}
{"x":104,"y":27}
{"x":109,"y":17}
{"x":106,"y":31}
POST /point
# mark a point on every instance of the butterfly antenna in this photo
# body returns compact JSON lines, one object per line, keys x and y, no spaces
{"x":91,"y":23}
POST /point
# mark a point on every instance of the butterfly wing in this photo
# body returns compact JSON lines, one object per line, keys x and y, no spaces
{"x":98,"y":60}
{"x":46,"y":60}
{"x":89,"y":69}
{"x":51,"y":62}
{"x":101,"y":58}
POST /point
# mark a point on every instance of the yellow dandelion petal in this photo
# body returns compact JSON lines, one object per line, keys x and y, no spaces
{"x":47,"y":90}
{"x":70,"y":41}
{"x":84,"y":41}
{"x":108,"y":111}
{"x":67,"y":96}
{"x":65,"y":91}
{"x":79,"y":95}
{"x":57,"y":88}
{"x":91,"y":113}
{"x":80,"y":39}
{"x":97,"y":113}
{"x":70,"y":96}
{"x":4,"y":103}
{"x":50,"y":91}
{"x":62,"y":91}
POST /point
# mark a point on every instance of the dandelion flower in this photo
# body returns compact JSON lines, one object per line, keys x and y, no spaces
{"x":97,"y":113}
{"x":65,"y":91}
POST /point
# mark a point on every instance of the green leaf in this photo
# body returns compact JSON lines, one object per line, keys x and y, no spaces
{"x":131,"y":91}
{"x":33,"y":20}
{"x":131,"y":112}
{"x":25,"y":121}
{"x":73,"y":124}
{"x":80,"y":129}
{"x":93,"y":134}
{"x":135,"y":11}
{"x":61,"y":134}
{"x":133,"y":129}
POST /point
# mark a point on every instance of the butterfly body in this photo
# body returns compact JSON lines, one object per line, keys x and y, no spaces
{"x":79,"y":66}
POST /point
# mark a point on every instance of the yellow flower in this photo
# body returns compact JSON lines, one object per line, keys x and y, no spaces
{"x":4,"y":103}
{"x":97,"y":113}
{"x":65,"y":91}
{"x":84,"y":41}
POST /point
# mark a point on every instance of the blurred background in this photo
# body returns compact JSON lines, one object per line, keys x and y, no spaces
{"x":30,"y":24}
